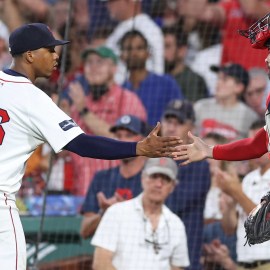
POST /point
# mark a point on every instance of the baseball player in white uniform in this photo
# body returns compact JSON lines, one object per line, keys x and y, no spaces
{"x":28,"y":118}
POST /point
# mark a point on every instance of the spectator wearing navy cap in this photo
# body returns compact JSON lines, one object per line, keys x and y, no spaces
{"x":115,"y":184}
{"x":188,"y":198}
{"x":231,"y":117}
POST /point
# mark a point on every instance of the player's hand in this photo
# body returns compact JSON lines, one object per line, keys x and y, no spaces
{"x":156,"y":146}
{"x":196,"y":151}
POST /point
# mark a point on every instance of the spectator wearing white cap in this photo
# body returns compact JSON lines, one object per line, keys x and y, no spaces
{"x":143,"y":233}
{"x":257,"y":90}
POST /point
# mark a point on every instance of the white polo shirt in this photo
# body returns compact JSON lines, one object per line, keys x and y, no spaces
{"x":125,"y":230}
{"x":255,"y":187}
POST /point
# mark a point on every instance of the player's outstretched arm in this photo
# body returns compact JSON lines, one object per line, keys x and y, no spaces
{"x":244,"y":149}
{"x":106,"y":148}
{"x":196,"y":151}
{"x":156,"y":146}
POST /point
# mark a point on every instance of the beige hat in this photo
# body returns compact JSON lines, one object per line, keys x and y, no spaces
{"x":166,"y":166}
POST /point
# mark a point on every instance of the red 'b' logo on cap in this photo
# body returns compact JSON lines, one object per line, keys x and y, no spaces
{"x":163,"y":162}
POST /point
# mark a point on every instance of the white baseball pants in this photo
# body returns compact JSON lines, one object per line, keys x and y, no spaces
{"x":12,"y":240}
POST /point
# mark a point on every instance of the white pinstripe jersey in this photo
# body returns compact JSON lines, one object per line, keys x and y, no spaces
{"x":28,"y":118}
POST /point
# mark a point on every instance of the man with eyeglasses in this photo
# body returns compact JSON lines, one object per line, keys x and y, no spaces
{"x":143,"y":233}
{"x":256,"y":92}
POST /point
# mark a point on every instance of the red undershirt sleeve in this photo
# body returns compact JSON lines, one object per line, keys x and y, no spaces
{"x":244,"y":149}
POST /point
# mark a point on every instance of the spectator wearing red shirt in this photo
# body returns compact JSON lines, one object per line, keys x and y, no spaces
{"x":232,"y":15}
{"x":97,"y":103}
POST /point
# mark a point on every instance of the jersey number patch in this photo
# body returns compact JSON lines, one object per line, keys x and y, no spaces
{"x":4,"y":118}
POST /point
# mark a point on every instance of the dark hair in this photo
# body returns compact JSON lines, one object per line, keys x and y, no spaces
{"x":260,"y":123}
{"x":101,"y":33}
{"x":180,"y":36}
{"x":219,"y":139}
{"x":131,"y":34}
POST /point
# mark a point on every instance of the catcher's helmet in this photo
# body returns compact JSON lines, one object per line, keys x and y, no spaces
{"x":258,"y":33}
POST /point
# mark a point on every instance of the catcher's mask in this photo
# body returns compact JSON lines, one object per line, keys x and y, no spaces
{"x":258,"y":33}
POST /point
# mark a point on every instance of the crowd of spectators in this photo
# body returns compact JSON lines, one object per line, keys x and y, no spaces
{"x":130,"y":64}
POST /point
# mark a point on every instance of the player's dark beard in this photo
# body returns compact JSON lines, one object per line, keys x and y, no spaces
{"x":169,"y":66}
{"x":97,"y":91}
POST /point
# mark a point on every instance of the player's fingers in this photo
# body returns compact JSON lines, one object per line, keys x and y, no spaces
{"x":165,"y":150}
{"x":181,"y":149}
{"x":172,"y":149}
{"x":167,"y":141}
{"x":162,"y":153}
{"x":156,"y":129}
{"x":179,"y":158}
{"x":184,"y":163}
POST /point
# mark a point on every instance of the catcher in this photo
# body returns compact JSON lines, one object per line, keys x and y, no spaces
{"x":257,"y":224}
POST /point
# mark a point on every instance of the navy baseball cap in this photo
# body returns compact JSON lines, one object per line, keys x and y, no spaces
{"x":129,"y":122}
{"x":234,"y":70}
{"x":30,"y":37}
{"x":181,"y":109}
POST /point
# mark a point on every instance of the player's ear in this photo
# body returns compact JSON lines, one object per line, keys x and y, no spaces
{"x":29,"y":56}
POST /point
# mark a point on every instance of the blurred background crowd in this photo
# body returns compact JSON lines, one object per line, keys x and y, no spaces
{"x":130,"y":64}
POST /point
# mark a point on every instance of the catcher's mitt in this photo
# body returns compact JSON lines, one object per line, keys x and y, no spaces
{"x":257,"y":224}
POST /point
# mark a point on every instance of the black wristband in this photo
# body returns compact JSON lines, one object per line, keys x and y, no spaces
{"x":84,"y":111}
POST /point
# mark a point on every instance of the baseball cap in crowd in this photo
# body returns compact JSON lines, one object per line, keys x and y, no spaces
{"x":214,"y":126}
{"x":33,"y":36}
{"x":166,"y":166}
{"x":131,"y":123}
{"x":102,"y":51}
{"x":233,"y":70}
{"x":181,"y":109}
